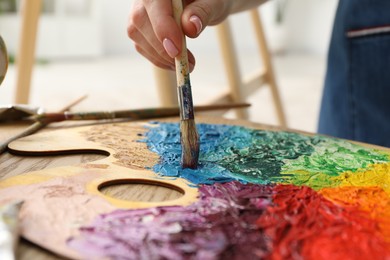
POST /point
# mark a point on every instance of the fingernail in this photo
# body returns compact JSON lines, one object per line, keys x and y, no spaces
{"x":195,"y":20}
{"x":192,"y":66}
{"x":170,"y":48}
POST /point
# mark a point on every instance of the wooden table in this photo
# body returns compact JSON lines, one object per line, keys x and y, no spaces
{"x":11,"y":165}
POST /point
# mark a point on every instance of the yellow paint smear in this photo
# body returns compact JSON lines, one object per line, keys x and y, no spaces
{"x":375,"y":175}
{"x":25,"y":179}
{"x":38,"y":176}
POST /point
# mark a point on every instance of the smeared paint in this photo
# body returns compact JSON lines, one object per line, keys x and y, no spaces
{"x":31,"y":178}
{"x":377,"y":175}
{"x":302,"y":224}
{"x":229,"y":153}
{"x":220,"y":225}
{"x":330,"y":159}
{"x":372,"y":200}
{"x":334,"y":156}
{"x":238,"y":221}
{"x":334,"y":205}
{"x":237,"y":153}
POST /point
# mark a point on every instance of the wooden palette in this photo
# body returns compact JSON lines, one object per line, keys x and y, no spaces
{"x":58,"y":201}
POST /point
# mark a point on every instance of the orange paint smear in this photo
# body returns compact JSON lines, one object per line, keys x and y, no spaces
{"x":372,"y":200}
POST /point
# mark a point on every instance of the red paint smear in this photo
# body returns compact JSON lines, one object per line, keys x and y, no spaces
{"x":303,"y":224}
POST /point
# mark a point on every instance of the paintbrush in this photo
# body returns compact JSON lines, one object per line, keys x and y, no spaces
{"x":146,"y":113}
{"x":189,"y":137}
{"x":35,"y":127}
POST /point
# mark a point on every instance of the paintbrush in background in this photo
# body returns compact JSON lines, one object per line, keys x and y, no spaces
{"x":146,"y":113}
{"x":13,"y":113}
{"x":32,"y":128}
{"x":189,"y":137}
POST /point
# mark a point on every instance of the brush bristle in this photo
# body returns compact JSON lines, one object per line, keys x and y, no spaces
{"x":190,"y":144}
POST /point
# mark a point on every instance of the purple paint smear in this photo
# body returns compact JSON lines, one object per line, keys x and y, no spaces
{"x":220,"y":225}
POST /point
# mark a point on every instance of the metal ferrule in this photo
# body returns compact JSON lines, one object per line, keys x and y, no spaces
{"x":185,"y":102}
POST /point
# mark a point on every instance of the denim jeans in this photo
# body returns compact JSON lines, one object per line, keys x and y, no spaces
{"x":356,"y":98}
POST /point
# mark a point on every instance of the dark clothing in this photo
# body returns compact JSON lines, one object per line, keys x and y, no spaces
{"x":356,"y":98}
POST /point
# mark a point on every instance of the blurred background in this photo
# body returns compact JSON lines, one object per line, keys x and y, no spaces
{"x":82,"y":48}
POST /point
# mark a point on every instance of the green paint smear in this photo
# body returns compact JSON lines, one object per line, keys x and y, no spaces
{"x":263,"y":157}
{"x":330,"y":159}
{"x":231,"y":153}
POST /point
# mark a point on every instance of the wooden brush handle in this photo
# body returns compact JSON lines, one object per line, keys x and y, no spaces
{"x":182,"y":70}
{"x":145,"y":113}
{"x":181,"y":61}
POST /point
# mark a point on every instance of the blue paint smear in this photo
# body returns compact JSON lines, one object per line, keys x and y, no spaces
{"x":228,"y":153}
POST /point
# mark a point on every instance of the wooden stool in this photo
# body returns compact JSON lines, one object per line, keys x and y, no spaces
{"x":239,"y":89}
{"x":26,"y":53}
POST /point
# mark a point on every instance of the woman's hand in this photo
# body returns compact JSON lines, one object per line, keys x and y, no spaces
{"x":157,"y":36}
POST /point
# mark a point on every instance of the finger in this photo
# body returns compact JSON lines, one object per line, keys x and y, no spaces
{"x":147,"y":50}
{"x":140,"y":24}
{"x":199,"y":14}
{"x":141,"y":32}
{"x":166,"y":29}
{"x":151,"y":52}
{"x":162,"y":63}
{"x":152,"y":58}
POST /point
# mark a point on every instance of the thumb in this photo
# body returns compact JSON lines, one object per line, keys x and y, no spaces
{"x":201,"y":13}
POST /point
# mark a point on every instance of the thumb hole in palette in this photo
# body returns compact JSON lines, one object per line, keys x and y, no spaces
{"x":140,"y":190}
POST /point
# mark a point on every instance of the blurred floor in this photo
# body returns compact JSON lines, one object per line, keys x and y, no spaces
{"x":128,"y":82}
